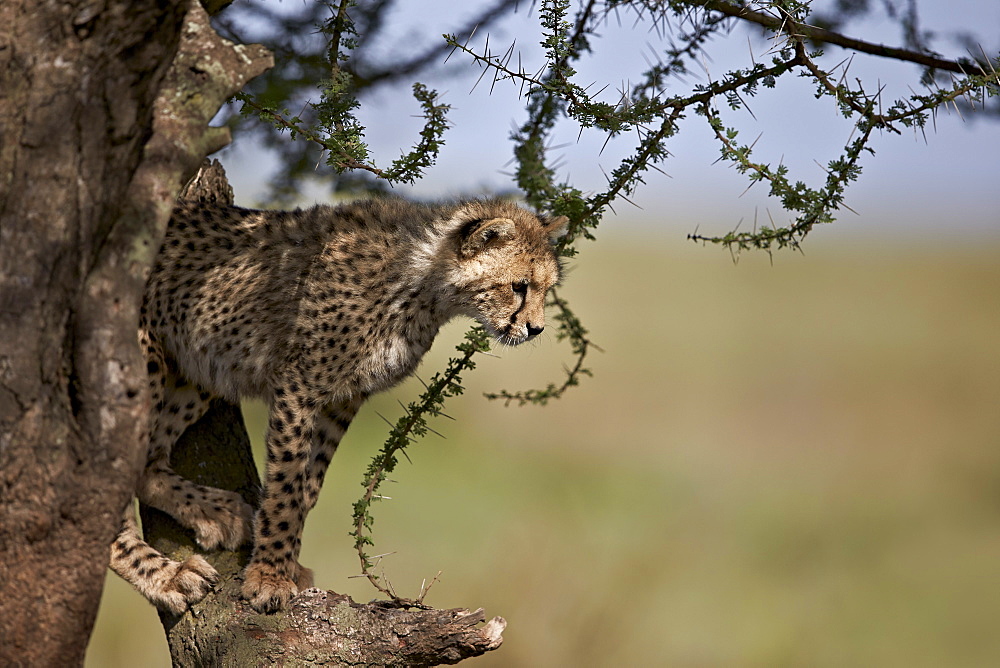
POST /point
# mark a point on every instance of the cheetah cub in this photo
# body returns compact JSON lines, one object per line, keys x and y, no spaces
{"x":312,"y":311}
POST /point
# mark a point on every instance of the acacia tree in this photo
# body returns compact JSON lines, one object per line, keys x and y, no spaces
{"x":104,"y":112}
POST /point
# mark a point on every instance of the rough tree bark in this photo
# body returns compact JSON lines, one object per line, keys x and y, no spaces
{"x":320,"y":628}
{"x":78,"y":88}
{"x":85,"y":192}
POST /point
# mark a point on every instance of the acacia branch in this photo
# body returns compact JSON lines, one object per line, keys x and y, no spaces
{"x":339,"y":22}
{"x":346,"y":162}
{"x":744,"y":13}
{"x":412,"y":424}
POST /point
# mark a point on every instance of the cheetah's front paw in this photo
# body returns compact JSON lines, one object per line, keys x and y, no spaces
{"x":267,"y":590}
{"x":175,"y":586}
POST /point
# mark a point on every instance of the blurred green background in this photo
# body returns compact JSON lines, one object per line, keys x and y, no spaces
{"x":793,"y":464}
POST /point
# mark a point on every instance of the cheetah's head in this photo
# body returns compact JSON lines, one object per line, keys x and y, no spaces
{"x":505,"y":265}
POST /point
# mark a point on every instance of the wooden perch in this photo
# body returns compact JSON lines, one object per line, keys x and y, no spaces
{"x":320,"y":627}
{"x":324,"y":628}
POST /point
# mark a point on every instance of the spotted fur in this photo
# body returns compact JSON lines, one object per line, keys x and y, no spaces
{"x":312,"y":311}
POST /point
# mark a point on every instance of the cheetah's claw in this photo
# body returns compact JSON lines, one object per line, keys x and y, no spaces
{"x":266,"y":590}
{"x":182,"y":584}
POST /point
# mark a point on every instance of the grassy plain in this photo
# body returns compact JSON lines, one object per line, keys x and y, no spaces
{"x":787,"y":465}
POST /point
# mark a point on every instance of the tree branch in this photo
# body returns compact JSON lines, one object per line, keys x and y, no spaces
{"x":963,"y":66}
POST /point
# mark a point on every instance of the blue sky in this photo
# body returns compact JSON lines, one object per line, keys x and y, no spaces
{"x":944,"y":186}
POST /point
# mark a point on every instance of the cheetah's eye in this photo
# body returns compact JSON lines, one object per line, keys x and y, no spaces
{"x":520,"y":287}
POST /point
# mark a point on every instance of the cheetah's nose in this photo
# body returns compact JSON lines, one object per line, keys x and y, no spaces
{"x":534,"y":331}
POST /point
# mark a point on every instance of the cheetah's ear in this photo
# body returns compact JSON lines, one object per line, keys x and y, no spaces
{"x":478,"y":234}
{"x":556,"y":227}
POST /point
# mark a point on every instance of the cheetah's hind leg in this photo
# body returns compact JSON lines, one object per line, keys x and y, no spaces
{"x":218,"y":517}
{"x":167,"y":584}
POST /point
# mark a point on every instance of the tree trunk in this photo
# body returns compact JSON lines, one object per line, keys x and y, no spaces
{"x":320,"y":628}
{"x":78,"y":88}
{"x":85,"y":192}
